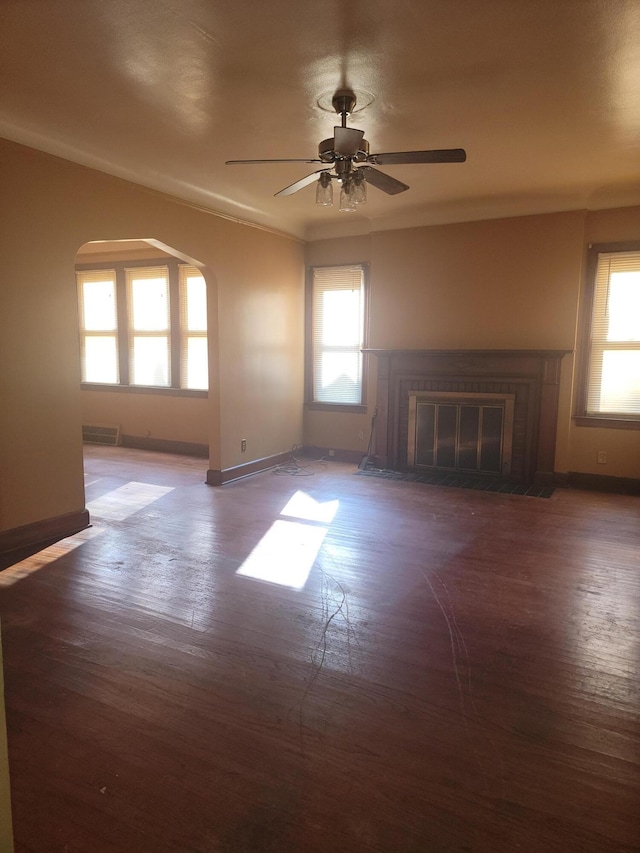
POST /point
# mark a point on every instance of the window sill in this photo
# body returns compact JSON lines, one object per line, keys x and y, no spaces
{"x":144,"y":389}
{"x":607,"y":423}
{"x":348,"y":408}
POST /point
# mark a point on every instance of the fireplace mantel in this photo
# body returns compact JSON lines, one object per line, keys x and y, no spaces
{"x":533,"y":376}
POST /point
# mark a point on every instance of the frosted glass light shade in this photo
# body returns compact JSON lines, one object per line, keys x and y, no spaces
{"x":347,"y":204}
{"x":359,"y":192}
{"x":324,"y":190}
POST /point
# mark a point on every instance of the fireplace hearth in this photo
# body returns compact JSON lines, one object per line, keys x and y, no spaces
{"x":490,"y":411}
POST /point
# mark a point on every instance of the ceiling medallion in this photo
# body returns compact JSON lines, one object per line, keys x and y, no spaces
{"x":363,"y":99}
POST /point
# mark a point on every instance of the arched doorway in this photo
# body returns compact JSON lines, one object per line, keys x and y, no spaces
{"x":144,"y":329}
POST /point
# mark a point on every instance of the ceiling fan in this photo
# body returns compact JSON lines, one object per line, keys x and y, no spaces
{"x":348,"y":161}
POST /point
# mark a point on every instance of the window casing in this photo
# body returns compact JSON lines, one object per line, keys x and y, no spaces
{"x":97,"y":306}
{"x":610,"y":365}
{"x":194,"y":360}
{"x":336,"y":325}
{"x":149,"y":326}
{"x":143,"y":325}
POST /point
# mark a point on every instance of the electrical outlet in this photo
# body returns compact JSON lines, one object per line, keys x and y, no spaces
{"x":361,"y":435}
{"x":243,"y":445}
{"x":332,"y":453}
{"x":602,"y":457}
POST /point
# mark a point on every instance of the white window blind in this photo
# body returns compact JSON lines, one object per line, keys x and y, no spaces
{"x":193,"y":329}
{"x":614,"y":363}
{"x":337,"y":334}
{"x":98,"y":326}
{"x":149,"y":326}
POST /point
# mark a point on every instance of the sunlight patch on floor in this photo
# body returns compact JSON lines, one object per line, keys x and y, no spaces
{"x":30,"y":565}
{"x":305,"y":507}
{"x":286,"y":553}
{"x":125,"y":501}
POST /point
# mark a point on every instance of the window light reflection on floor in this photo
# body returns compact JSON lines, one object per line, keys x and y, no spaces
{"x":119,"y":504}
{"x":115,"y":505}
{"x":306,"y":508}
{"x":286,"y":553}
{"x":30,"y":565}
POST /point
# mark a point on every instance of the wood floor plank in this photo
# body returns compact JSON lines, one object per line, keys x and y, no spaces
{"x":459,"y":671}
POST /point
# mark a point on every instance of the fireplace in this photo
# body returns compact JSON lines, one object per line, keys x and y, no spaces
{"x":471,"y":433}
{"x":488,"y":411}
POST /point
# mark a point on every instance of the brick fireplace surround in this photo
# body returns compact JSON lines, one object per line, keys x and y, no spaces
{"x":533,"y":376}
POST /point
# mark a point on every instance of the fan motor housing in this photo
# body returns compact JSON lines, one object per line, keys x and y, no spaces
{"x":328,"y":154}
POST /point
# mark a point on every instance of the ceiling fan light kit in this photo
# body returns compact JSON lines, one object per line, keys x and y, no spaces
{"x":359,"y":187}
{"x":324,"y":190}
{"x":347,"y":204}
{"x":347,"y":156}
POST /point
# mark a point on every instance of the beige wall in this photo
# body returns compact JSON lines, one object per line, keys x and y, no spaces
{"x":500,"y":284}
{"x":6,"y":835}
{"x":175,"y":418}
{"x":50,"y":208}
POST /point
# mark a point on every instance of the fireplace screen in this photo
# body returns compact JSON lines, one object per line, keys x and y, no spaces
{"x":461,"y":432}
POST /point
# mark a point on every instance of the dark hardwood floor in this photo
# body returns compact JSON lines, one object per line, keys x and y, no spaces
{"x":458,"y":673}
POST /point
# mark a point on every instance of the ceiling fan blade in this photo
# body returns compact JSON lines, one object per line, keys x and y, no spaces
{"x":244,"y":162}
{"x":302,"y":183}
{"x":346,"y":140}
{"x":442,"y":155}
{"x":383,"y":182}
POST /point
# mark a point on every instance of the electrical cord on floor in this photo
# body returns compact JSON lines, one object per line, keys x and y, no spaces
{"x":298,"y":468}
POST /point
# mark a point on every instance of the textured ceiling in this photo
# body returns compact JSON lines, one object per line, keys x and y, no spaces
{"x":544,"y":95}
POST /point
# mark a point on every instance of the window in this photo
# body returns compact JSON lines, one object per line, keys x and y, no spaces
{"x":149,"y":326}
{"x":611,"y":389}
{"x":337,"y":324}
{"x":193,"y":325}
{"x":98,"y":326}
{"x":144,"y":325}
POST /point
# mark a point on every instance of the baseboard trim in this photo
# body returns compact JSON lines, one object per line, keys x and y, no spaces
{"x":165,"y":445}
{"x":598,"y":483}
{"x":238,"y":472}
{"x":20,"y":542}
{"x":336,"y":455}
